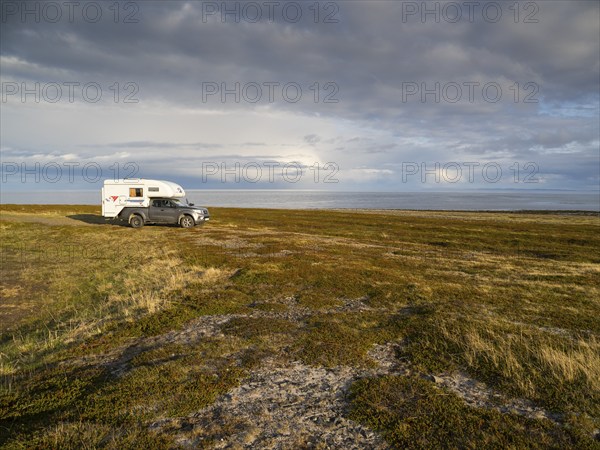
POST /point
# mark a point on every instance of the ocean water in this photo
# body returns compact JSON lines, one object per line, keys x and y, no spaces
{"x":467,"y":201}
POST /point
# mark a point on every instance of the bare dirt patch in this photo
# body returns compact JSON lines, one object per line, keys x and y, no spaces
{"x":279,"y":407}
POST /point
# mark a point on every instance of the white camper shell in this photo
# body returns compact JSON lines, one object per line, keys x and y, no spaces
{"x":135,"y":192}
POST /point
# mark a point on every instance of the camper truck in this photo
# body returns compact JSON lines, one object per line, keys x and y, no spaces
{"x":139,"y":202}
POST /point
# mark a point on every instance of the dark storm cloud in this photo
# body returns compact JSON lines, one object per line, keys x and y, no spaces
{"x":372,"y":54}
{"x":369,"y":52}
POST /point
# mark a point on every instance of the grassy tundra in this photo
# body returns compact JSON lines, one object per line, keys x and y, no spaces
{"x":293,"y":329}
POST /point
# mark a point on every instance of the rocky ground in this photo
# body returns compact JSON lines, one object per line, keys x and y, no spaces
{"x":286,"y":405}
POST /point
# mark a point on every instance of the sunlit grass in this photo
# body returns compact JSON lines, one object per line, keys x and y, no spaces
{"x":511,"y":299}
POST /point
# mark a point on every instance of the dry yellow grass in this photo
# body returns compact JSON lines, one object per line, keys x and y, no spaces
{"x":510,"y":300}
{"x":523,"y":354}
{"x":140,"y":282}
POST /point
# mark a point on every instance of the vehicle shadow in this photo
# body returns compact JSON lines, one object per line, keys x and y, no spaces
{"x":93,"y":219}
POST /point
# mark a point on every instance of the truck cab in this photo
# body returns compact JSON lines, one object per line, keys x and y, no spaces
{"x":165,"y":211}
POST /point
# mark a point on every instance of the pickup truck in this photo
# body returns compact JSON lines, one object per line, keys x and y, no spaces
{"x":165,"y":211}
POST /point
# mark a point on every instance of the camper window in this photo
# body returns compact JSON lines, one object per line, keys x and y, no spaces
{"x":136,"y":192}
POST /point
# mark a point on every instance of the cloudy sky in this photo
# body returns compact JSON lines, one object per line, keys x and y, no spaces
{"x":347,"y":95}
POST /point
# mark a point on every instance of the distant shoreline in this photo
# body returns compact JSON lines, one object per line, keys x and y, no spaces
{"x":358,"y":201}
{"x":576,"y":212}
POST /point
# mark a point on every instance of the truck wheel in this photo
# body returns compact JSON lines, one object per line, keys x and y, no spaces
{"x":136,"y":221}
{"x":186,"y":222}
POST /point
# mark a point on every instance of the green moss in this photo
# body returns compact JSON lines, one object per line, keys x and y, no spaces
{"x":520,"y":283}
{"x":149,"y":392}
{"x":248,"y":328}
{"x":42,"y":397}
{"x":344,"y":338}
{"x":412,"y":413}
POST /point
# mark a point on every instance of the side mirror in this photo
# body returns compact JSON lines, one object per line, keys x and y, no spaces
{"x":191,"y":204}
